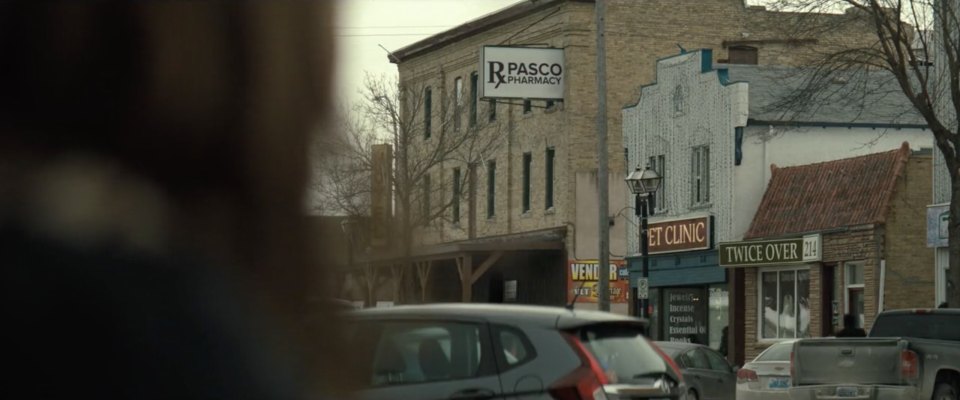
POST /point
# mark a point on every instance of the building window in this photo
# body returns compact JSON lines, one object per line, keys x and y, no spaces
{"x":701,"y":175}
{"x":427,"y":112}
{"x":678,"y":100}
{"x":527,"y":161}
{"x":474,"y":97}
{"x":742,"y":55}
{"x":737,"y":145}
{"x":549,"y":104}
{"x":784,"y":303}
{"x":527,"y":106}
{"x":659,"y":165}
{"x":548,"y":184}
{"x":491,"y":110}
{"x":456,"y":196}
{"x":425,"y":200}
{"x":491,"y":188}
{"x":458,"y":103}
{"x":853,"y":285}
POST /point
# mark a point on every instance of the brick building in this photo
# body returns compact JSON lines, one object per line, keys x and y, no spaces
{"x":712,"y":131}
{"x":854,"y":231}
{"x":532,"y":204}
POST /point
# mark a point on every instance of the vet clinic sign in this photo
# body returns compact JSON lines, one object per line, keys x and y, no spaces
{"x":522,"y":73}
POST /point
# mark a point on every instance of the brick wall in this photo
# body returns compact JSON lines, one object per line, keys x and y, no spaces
{"x":638,"y":33}
{"x":909,"y":262}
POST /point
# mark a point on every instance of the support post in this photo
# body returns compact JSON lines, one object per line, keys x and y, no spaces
{"x":644,"y":252}
{"x":603,"y":220}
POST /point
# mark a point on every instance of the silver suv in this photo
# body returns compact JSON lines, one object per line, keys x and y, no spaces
{"x":496,"y":351}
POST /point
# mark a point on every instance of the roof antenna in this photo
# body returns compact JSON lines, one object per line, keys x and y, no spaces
{"x":575,"y":296}
{"x":391,"y":56}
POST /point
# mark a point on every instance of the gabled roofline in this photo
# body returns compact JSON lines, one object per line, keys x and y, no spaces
{"x":706,"y":66}
{"x":473,"y":27}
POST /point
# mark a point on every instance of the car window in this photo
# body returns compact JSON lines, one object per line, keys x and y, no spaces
{"x":942,"y":327}
{"x":623,"y":353}
{"x":514,"y":346}
{"x":697,"y":359}
{"x":416,"y":352}
{"x":717,"y":362}
{"x":777,"y":352}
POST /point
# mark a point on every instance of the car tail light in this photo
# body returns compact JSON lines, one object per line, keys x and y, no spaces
{"x":673,"y":365}
{"x":584,"y":383}
{"x":909,"y":365}
{"x":747,"y":375}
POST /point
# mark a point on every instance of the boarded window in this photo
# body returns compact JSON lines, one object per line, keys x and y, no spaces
{"x":743,"y":55}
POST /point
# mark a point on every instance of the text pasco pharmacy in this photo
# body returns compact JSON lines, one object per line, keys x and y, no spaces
{"x":531,"y":73}
{"x":522,"y":73}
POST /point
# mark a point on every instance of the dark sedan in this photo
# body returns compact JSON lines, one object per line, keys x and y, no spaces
{"x":708,"y":374}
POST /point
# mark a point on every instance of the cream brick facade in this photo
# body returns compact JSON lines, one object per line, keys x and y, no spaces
{"x":639,"y":32}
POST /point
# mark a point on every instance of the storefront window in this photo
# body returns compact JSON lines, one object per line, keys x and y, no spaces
{"x":718,"y":314}
{"x":785,"y":296}
{"x":685,"y":315}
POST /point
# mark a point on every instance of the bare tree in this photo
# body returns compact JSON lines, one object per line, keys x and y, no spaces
{"x":431,"y":133}
{"x":914,"y":51}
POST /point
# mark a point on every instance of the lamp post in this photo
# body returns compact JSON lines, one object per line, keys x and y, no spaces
{"x":644,"y":185}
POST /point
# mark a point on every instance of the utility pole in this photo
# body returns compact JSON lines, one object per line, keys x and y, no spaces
{"x":603,"y":223}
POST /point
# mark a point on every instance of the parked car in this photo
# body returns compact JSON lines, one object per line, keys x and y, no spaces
{"x":908,"y":354}
{"x":486,"y":351}
{"x":707,"y":373}
{"x":767,"y":377}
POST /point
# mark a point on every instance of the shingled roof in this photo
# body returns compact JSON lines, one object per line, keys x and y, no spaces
{"x":833,"y":194}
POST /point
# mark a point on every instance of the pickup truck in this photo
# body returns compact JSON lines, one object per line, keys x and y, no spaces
{"x":908,"y":354}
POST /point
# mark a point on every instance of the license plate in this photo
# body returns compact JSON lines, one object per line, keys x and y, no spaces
{"x":847,"y":391}
{"x":778,"y":383}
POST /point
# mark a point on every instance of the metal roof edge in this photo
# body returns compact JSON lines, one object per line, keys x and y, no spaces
{"x":508,"y":14}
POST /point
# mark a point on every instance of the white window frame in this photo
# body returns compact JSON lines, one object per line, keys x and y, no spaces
{"x":847,"y":285}
{"x":759,"y":284}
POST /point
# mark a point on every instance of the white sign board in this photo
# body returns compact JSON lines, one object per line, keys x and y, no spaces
{"x":812,"y":248}
{"x":510,"y":291}
{"x":643,"y":288}
{"x":522,"y":73}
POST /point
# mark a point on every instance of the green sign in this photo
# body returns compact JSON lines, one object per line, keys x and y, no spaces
{"x":770,"y":252}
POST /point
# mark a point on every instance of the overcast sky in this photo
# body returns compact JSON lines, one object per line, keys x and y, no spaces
{"x":364,"y":24}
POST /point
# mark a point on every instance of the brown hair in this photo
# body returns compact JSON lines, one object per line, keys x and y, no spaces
{"x":213,"y":102}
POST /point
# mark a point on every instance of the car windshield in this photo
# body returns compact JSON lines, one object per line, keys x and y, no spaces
{"x":624,"y":353}
{"x":777,"y":352}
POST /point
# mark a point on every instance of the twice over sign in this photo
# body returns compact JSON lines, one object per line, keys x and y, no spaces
{"x":522,"y":73}
{"x":770,"y":252}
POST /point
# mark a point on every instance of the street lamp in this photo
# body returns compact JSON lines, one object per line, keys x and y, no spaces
{"x":644,"y":185}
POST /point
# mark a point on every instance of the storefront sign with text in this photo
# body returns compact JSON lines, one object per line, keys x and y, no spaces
{"x":583,"y":276}
{"x":679,"y":235}
{"x":770,"y":252}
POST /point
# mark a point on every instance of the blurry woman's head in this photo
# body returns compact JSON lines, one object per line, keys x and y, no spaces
{"x":174,"y":126}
